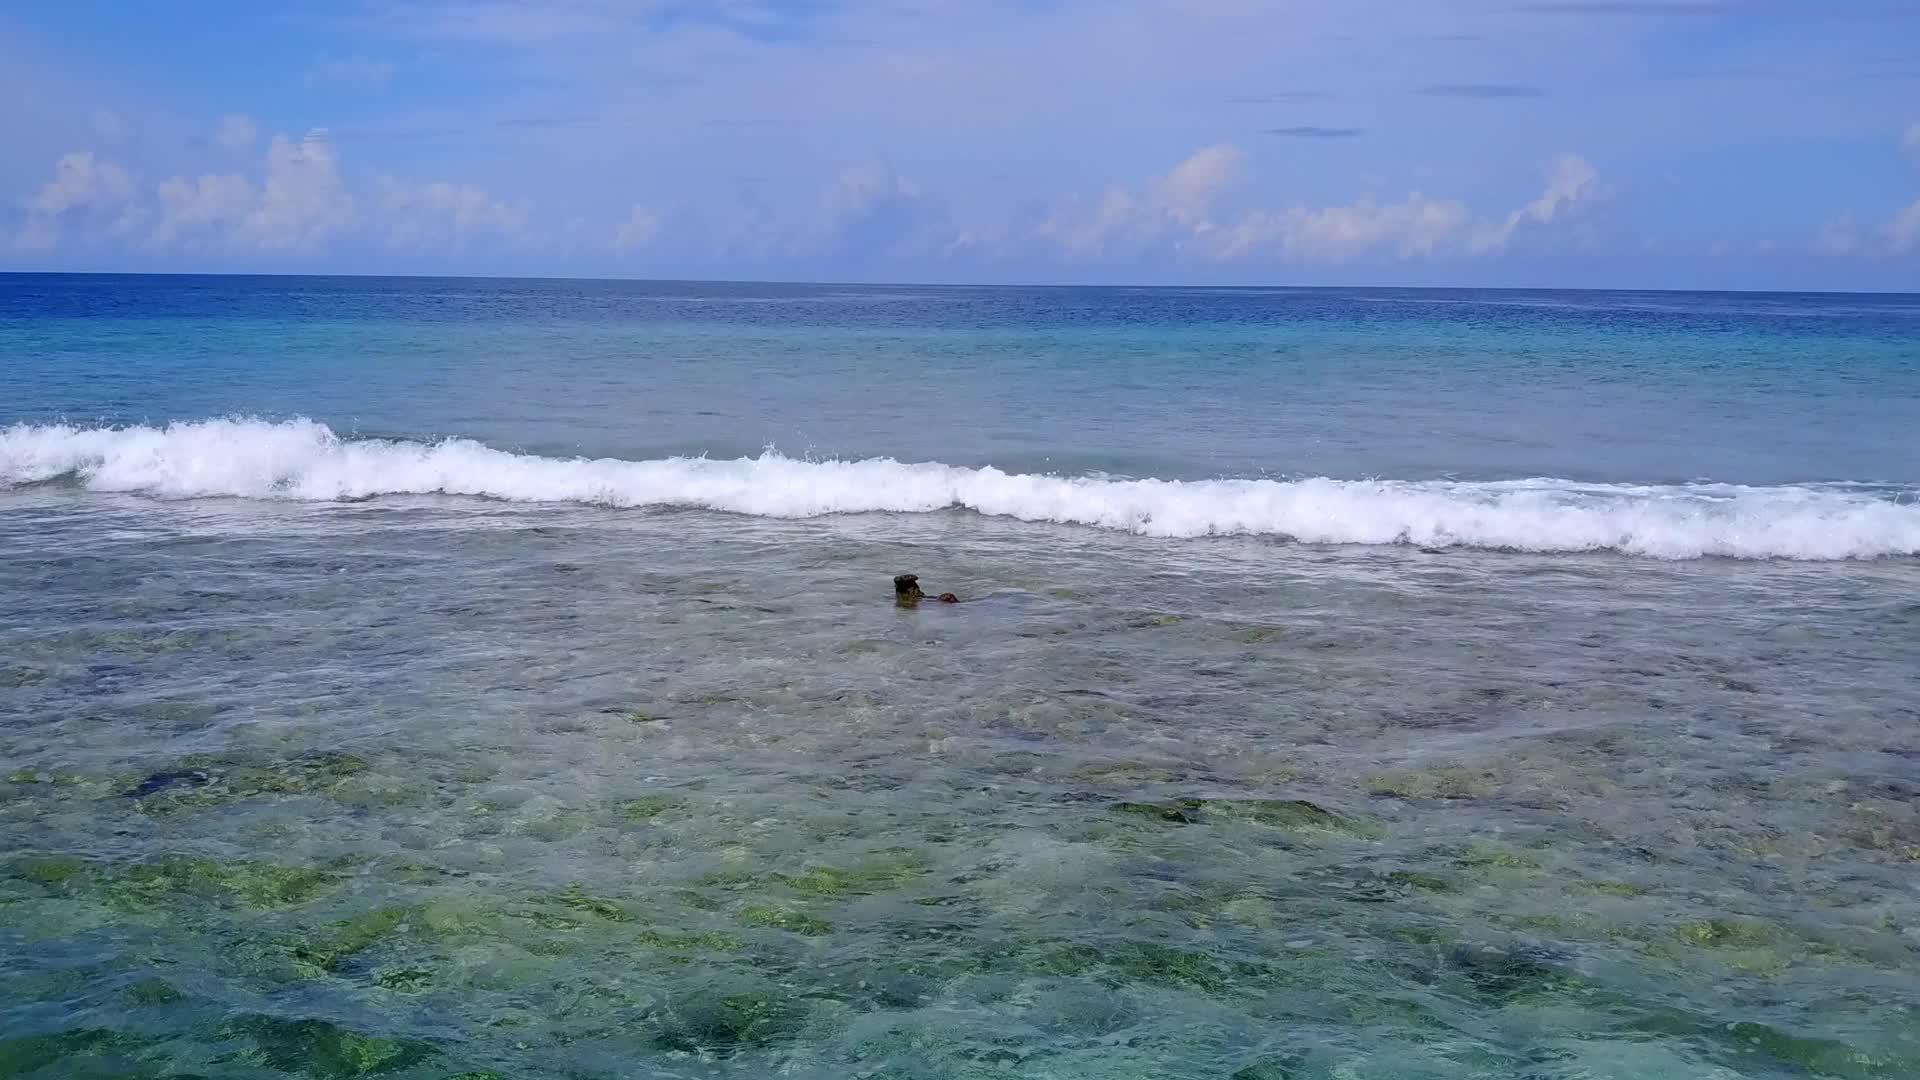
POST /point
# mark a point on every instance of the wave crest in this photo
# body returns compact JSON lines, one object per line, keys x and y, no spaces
{"x":305,"y":460}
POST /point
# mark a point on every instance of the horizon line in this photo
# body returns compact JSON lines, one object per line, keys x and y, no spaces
{"x":858,"y":283}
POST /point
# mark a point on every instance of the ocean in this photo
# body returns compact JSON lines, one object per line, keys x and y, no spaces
{"x":434,"y":678}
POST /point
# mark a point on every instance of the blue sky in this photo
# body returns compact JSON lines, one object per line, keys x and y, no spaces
{"x":1656,"y":143}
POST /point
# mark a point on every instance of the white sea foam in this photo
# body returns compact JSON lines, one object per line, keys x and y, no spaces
{"x":306,"y":460}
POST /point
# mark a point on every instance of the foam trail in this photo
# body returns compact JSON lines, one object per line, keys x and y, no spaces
{"x":306,"y":460}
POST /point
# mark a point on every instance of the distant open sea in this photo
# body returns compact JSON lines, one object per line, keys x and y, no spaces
{"x":434,"y":678}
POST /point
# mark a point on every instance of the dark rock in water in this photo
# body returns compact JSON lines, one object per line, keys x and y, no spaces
{"x":1178,"y":812}
{"x":1280,"y":813}
{"x":14,"y":678}
{"x":321,"y":1049}
{"x":1290,"y":814}
{"x":726,"y":1024}
{"x":160,"y":781}
{"x":1423,"y":882}
{"x":40,"y":1055}
{"x":209,"y":778}
{"x":152,"y":992}
{"x":1801,"y":1055}
{"x":1504,"y":974}
{"x":907,"y":592}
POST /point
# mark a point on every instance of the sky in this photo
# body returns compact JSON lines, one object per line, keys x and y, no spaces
{"x":1553,"y":143}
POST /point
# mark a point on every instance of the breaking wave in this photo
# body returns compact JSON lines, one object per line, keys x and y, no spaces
{"x":305,"y":460}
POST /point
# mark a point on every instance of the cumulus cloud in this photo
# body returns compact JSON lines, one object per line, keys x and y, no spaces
{"x":1185,"y":212}
{"x":293,"y":199}
{"x":302,"y":199}
{"x":441,"y":216}
{"x":80,"y":180}
{"x":190,"y":207}
{"x":1188,"y":193}
{"x":1176,"y":210}
{"x":236,"y":132}
{"x":298,"y":203}
{"x":633,"y":234}
{"x":1205,"y":209}
{"x":82,"y":185}
{"x":1846,"y":235}
{"x":1416,"y":226}
{"x":1079,"y":229}
{"x":1897,"y":235}
{"x":1570,"y":179}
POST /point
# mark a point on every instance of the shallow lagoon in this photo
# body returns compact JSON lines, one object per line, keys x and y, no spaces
{"x":436,"y":788}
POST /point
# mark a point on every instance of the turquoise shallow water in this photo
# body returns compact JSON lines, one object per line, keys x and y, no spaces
{"x":1351,"y":685}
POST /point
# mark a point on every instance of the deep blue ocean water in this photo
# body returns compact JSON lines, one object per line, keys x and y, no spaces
{"x":436,"y":678}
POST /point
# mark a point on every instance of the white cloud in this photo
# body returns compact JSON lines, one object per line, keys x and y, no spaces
{"x":302,"y":200}
{"x":1846,"y":236}
{"x":236,"y":132}
{"x":191,"y":207}
{"x":1188,"y":192}
{"x":1416,"y":226}
{"x":1184,"y":214}
{"x":1897,"y":235}
{"x":80,"y":180}
{"x":295,"y":200}
{"x":1203,"y":210}
{"x":1177,"y":209}
{"x":1083,"y":234}
{"x":634,"y":233}
{"x":81,"y":184}
{"x":298,"y":204}
{"x":1570,"y":179}
{"x":441,"y":216}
